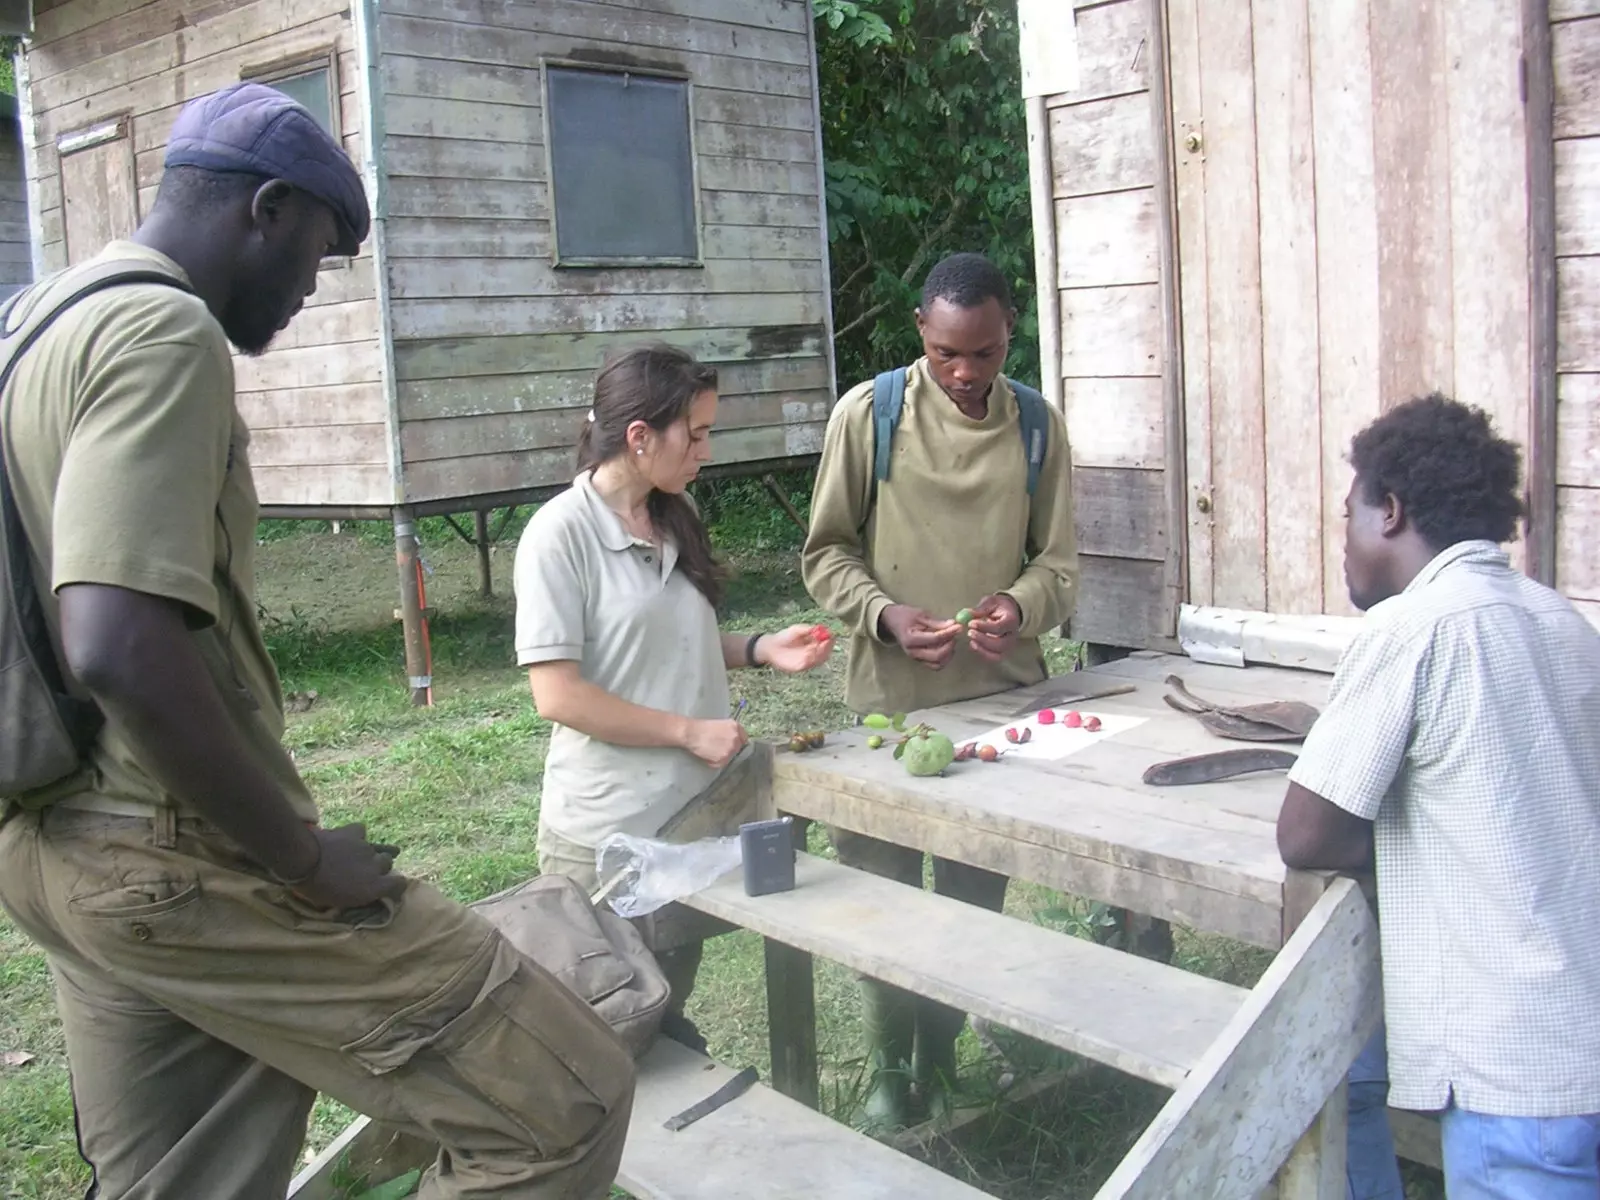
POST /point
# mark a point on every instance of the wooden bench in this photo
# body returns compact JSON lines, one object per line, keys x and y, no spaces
{"x":758,"y":1146}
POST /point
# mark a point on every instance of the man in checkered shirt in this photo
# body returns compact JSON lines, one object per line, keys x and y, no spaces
{"x":1460,"y":755}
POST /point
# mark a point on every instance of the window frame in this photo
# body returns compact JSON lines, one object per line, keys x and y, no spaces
{"x":276,"y":70}
{"x":697,"y":210}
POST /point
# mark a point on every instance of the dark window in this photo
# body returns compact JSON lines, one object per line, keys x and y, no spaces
{"x":621,"y":168}
{"x":312,"y":87}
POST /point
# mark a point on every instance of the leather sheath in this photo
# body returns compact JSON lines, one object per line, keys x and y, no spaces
{"x":731,"y":1090}
{"x":1274,"y":721}
{"x":1220,"y":764}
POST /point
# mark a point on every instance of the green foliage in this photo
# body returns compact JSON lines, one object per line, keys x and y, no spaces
{"x":8,"y":76}
{"x":925,"y":146}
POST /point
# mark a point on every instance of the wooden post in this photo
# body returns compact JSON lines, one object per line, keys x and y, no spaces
{"x":792,"y":1022}
{"x":408,"y":562}
{"x":1538,"y":84}
{"x":480,"y":539}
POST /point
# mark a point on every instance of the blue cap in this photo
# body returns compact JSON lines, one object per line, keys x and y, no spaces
{"x":256,"y":129}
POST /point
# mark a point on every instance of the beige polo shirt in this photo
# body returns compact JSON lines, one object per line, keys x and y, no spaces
{"x":589,"y":591}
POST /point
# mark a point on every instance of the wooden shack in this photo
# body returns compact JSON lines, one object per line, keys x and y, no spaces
{"x":16,"y":252}
{"x":1258,"y":227}
{"x":549,"y":181}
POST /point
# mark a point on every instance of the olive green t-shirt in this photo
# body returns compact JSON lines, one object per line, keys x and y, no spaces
{"x":129,"y":465}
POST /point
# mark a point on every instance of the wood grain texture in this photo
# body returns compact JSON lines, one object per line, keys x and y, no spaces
{"x":1578,"y":314}
{"x":1117,"y":599}
{"x":1101,"y":146}
{"x":1576,"y":62}
{"x":1190,"y":202}
{"x":1577,"y":431}
{"x":1111,"y":331}
{"x":1113,"y":52}
{"x":1543,"y":297}
{"x":1116,"y":422}
{"x":1577,"y":167}
{"x":1577,"y":535}
{"x":1347,"y":258}
{"x":1120,"y":513}
{"x":1291,"y":392}
{"x":1107,"y":239}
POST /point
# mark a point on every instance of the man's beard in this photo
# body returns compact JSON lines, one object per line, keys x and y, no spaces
{"x":255,"y":316}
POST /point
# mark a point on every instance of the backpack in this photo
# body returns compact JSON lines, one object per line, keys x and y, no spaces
{"x":45,"y":729}
{"x":889,"y":392}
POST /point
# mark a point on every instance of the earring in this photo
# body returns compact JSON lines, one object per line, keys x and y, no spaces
{"x":638,"y":449}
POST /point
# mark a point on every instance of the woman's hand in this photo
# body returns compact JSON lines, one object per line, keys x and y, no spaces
{"x":795,"y":649}
{"x":714,"y":742}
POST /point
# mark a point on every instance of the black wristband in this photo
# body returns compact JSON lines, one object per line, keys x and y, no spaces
{"x":750,"y":650}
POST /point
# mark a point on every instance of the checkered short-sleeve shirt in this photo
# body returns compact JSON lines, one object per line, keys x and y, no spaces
{"x":1464,"y":721}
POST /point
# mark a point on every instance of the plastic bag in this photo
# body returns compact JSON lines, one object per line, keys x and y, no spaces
{"x":655,"y":873}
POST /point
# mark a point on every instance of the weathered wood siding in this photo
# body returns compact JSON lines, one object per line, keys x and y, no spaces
{"x":16,"y":257}
{"x":1102,"y":147}
{"x":1576,"y":51}
{"x":1353,"y":225}
{"x":495,"y":348}
{"x":314,"y":402}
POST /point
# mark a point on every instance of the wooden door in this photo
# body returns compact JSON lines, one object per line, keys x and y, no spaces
{"x":1350,"y":181}
{"x":99,"y":190}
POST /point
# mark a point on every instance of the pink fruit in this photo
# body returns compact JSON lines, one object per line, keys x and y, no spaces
{"x":1092,"y":724}
{"x":1073,"y":719}
{"x":1011,"y":735}
{"x":1047,"y":716}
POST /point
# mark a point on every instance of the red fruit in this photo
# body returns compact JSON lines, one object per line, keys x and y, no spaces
{"x":988,"y":753}
{"x":1026,"y":735}
{"x":1092,"y":724}
{"x":821,"y":633}
{"x":1011,"y":735}
{"x":1047,"y":716}
{"x":965,"y":752}
{"x":1073,"y":719}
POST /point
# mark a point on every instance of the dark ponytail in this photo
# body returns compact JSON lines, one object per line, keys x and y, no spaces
{"x":656,"y":385}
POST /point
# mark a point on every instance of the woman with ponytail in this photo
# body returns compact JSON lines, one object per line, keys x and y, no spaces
{"x":617,"y":595}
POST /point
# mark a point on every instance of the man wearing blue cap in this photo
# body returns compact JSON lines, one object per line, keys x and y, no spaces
{"x":220,"y":958}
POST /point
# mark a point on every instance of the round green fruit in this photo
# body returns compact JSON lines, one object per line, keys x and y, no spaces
{"x":964,"y":616}
{"x":928,"y":754}
{"x":875,"y":741}
{"x":875,"y":721}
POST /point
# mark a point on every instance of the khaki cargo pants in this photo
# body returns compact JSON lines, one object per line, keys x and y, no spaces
{"x":205,"y":1007}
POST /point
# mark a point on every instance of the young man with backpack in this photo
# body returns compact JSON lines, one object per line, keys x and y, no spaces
{"x":219,"y":957}
{"x":942,"y":486}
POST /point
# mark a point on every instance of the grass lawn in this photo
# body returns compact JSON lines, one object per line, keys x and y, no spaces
{"x":458,"y":787}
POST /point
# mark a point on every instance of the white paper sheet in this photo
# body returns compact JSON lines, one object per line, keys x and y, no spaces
{"x":1055,"y":741}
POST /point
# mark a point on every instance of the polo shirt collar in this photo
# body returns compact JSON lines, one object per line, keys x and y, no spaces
{"x":612,"y":532}
{"x":1475,"y":552}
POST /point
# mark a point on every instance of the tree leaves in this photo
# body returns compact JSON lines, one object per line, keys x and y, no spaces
{"x":925,"y":144}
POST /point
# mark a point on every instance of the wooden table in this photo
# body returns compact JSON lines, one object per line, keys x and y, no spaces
{"x":1202,"y":855}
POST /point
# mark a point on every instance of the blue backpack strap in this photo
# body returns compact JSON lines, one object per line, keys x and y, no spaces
{"x":888,"y":394}
{"x":1035,"y":428}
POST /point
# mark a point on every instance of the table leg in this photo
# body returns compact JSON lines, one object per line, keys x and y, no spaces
{"x":792,"y":1022}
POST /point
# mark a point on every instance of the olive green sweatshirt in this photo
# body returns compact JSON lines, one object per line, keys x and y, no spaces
{"x":952,"y":523}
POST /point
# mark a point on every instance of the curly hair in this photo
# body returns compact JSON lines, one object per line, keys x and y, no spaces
{"x":1443,"y":461}
{"x":966,"y":280}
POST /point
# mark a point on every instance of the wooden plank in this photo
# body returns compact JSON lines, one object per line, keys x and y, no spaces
{"x":1119,"y":602}
{"x":288,"y":408}
{"x":1113,"y":52}
{"x":792,"y":1020}
{"x":1134,"y":1014}
{"x":474,"y":279}
{"x":1578,"y":431}
{"x":409,"y":75}
{"x":488,"y":473}
{"x":516,"y":46}
{"x":451,"y":358}
{"x":1111,"y":331}
{"x":1543,"y":433}
{"x":1347,"y":259}
{"x":499,"y":433}
{"x":452,"y":158}
{"x":124,"y":26}
{"x":1578,"y":314}
{"x":583,"y":21}
{"x":466,"y":318}
{"x":1101,"y":146}
{"x":1107,"y":239}
{"x":761,"y":1146}
{"x":1489,"y":207}
{"x":309,"y":366}
{"x":1233,"y":275}
{"x":306,"y":486}
{"x":468,"y":120}
{"x":1262,"y":1082}
{"x":529,"y":392}
{"x":1578,"y":196}
{"x":1120,"y":513}
{"x":1567,"y":10}
{"x":1577,"y":536}
{"x":1412,"y":155}
{"x":1575,"y":59}
{"x":722,"y":174}
{"x":1116,"y":422}
{"x":1292,"y":406}
{"x":330,"y":325}
{"x":325,"y":445}
{"x":1190,"y":203}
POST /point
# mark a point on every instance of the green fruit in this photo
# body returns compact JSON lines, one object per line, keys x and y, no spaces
{"x":875,"y":741}
{"x":928,"y":754}
{"x":964,"y":616}
{"x":875,"y":721}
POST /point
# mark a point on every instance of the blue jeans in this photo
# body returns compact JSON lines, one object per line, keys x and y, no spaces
{"x":1372,"y":1172}
{"x":1520,"y":1158}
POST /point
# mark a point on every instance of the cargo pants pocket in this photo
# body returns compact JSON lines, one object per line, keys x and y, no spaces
{"x":519,"y":1042}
